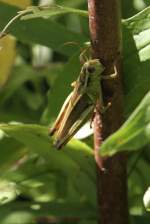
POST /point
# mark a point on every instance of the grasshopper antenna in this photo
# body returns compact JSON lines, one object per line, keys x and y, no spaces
{"x":84,"y":50}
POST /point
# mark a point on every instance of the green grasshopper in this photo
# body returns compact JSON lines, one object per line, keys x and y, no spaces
{"x":80,"y":104}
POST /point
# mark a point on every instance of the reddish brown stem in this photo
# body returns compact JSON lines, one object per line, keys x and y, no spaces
{"x":105,"y":30}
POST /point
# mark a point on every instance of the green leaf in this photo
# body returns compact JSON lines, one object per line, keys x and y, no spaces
{"x":54,"y":209}
{"x":74,"y":157}
{"x":138,"y":179}
{"x":16,"y":81}
{"x":17,"y":217}
{"x":11,"y":151}
{"x":8,"y":192}
{"x":139,"y":219}
{"x":73,"y":4}
{"x":36,"y":137}
{"x":136,"y":62}
{"x":75,"y":161}
{"x":134,"y":134}
{"x":139,"y":22}
{"x":49,"y":11}
{"x":41,"y":31}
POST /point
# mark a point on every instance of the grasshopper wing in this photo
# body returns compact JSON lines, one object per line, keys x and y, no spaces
{"x":61,"y":115}
{"x":74,"y":119}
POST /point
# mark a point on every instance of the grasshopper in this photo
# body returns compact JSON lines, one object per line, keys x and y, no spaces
{"x":80,"y":104}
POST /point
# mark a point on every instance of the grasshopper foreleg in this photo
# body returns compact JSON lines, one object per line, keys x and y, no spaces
{"x":111,"y":76}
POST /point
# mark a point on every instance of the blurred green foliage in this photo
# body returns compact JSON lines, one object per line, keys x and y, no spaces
{"x":37,"y":183}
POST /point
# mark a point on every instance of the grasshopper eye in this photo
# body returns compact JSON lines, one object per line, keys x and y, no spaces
{"x":90,"y":69}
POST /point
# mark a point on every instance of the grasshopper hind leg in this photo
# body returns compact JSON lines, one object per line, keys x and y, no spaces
{"x":60,"y":142}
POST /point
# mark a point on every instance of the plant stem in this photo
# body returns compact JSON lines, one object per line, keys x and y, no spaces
{"x":105,"y":30}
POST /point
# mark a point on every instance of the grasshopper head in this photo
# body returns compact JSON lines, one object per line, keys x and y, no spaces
{"x":94,"y":67}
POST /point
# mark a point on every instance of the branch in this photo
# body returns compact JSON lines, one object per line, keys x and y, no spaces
{"x":105,"y":30}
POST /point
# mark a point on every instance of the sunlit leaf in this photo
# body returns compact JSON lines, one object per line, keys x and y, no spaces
{"x":134,"y":133}
{"x":136,"y":61}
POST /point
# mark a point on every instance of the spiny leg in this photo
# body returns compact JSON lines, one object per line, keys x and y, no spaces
{"x":112,"y":76}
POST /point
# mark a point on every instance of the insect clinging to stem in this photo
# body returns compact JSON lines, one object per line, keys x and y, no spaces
{"x":80,"y":104}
